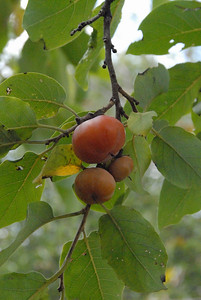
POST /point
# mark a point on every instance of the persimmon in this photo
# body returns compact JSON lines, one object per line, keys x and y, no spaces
{"x":99,"y":139}
{"x":121,"y":167}
{"x":94,"y":185}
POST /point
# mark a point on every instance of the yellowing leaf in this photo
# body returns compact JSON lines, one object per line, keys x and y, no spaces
{"x":65,"y":170}
{"x":61,"y":162}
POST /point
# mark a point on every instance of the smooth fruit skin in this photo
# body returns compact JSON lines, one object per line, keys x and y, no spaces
{"x":121,"y":167}
{"x":99,"y":139}
{"x":94,"y":185}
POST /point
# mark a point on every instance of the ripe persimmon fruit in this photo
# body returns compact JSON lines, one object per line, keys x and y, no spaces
{"x":94,"y":185}
{"x":99,"y":139}
{"x":121,"y":167}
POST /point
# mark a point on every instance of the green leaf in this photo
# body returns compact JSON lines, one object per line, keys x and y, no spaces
{"x":8,"y":138}
{"x":44,"y":94}
{"x":133,"y":249}
{"x":17,"y":115}
{"x":199,"y":135}
{"x":73,"y":51}
{"x":53,"y":22}
{"x":156,"y":3}
{"x":5,"y":10}
{"x":169,"y":24}
{"x":176,"y":154}
{"x":185,"y":82}
{"x":149,"y":84}
{"x":96,"y":43}
{"x":88,"y":276}
{"x":38,"y":214}
{"x":61,"y":162}
{"x":176,"y":203}
{"x":16,"y":286}
{"x":88,"y":59}
{"x":138,"y":149}
{"x":52,"y":63}
{"x":141,"y":123}
{"x":158,"y":125}
{"x":17,"y":121}
{"x":16,"y":187}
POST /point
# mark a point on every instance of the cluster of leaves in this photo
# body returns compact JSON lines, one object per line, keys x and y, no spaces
{"x":134,"y":256}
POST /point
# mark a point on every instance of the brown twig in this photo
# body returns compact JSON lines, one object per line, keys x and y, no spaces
{"x":131,"y":100}
{"x":109,"y":48}
{"x":68,"y":256}
{"x":80,"y":229}
{"x":88,"y":22}
{"x":108,"y":57}
{"x":69,"y":215}
{"x":61,"y":285}
{"x":92,"y":20}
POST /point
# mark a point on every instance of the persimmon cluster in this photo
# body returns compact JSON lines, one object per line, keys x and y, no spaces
{"x":98,"y":141}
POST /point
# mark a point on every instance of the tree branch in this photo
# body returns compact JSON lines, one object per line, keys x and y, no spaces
{"x":69,"y":215}
{"x":88,"y":22}
{"x":80,"y":229}
{"x":105,"y":11}
{"x":61,"y":287}
{"x":108,"y":58}
{"x":131,"y":100}
{"x":92,"y":20}
{"x":67,"y":259}
{"x":59,"y":273}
